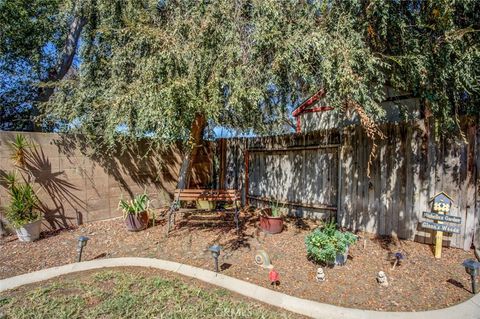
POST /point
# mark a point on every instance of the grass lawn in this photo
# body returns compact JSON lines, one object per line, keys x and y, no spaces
{"x":128,"y":293}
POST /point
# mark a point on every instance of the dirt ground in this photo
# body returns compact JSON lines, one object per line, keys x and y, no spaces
{"x":420,"y":283}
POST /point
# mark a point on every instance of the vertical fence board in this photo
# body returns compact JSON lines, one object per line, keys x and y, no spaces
{"x":409,"y":171}
{"x":418,"y":192}
{"x":476,"y":230}
{"x":469,"y":194}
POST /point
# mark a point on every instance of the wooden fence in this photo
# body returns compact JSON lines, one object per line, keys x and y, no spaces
{"x":318,"y":174}
{"x":284,"y":169}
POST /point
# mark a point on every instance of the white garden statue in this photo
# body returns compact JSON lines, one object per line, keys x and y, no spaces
{"x":382,"y":279}
{"x":320,"y":274}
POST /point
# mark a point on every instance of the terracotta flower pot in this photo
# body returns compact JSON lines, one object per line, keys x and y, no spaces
{"x":136,"y":222}
{"x":269,"y":224}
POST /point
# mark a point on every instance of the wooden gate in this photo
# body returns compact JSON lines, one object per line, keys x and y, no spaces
{"x":305,"y":179}
{"x":299,"y":171}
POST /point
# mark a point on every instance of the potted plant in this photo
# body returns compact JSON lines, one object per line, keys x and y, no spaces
{"x":135,"y":212}
{"x":271,"y":220}
{"x":22,"y":213}
{"x":328,"y":245}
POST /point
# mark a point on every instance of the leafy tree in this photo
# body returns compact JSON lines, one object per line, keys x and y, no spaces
{"x":168,"y":68}
{"x":38,"y":41}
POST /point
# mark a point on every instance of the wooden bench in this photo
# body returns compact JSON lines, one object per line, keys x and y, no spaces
{"x":215,"y":195}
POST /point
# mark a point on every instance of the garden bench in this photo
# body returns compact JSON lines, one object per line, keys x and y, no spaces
{"x":214,"y":195}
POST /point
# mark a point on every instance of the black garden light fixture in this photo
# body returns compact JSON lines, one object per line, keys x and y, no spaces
{"x":472,"y":268}
{"x":398,"y":258}
{"x":82,"y":242}
{"x":215,"y":250}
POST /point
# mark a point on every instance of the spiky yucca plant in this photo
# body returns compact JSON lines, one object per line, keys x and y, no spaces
{"x":23,"y":208}
{"x":19,"y":147}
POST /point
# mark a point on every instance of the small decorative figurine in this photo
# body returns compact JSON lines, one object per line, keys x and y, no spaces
{"x":274,"y":277}
{"x":382,"y":279}
{"x":262,"y":259}
{"x":320,"y":274}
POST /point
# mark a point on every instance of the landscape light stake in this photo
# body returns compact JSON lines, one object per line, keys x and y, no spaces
{"x":82,"y":242}
{"x":398,"y":258}
{"x":215,"y":250}
{"x":471,"y":267}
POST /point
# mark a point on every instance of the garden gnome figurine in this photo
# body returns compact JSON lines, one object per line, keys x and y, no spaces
{"x":274,"y":277}
{"x":320,"y":274}
{"x":382,"y":279}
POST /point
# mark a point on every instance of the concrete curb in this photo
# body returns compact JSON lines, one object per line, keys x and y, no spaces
{"x":469,"y":309}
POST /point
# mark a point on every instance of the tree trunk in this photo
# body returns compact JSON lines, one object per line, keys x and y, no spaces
{"x":196,"y":138}
{"x":64,"y":63}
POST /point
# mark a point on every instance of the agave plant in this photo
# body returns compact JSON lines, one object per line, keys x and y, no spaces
{"x":19,"y":147}
{"x":134,"y":206}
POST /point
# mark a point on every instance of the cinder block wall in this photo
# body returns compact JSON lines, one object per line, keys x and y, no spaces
{"x":75,"y":188}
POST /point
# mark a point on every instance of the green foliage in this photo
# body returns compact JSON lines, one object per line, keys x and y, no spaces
{"x":134,"y":206}
{"x":148,"y":67}
{"x":32,"y":36}
{"x":277,"y":208}
{"x":325,"y":243}
{"x":27,"y":26}
{"x":19,"y":147}
{"x":23,"y":206}
{"x":10,"y":179}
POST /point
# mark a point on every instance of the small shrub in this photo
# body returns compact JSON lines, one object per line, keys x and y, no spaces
{"x":135,"y":206}
{"x":23,"y":207}
{"x":323,"y":244}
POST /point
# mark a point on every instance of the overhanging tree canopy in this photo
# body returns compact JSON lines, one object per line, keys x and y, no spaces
{"x":152,"y":67}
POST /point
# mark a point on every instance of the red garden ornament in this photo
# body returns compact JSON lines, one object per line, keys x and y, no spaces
{"x":274,"y":277}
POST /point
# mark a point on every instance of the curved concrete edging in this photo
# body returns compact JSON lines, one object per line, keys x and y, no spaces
{"x":469,"y":309}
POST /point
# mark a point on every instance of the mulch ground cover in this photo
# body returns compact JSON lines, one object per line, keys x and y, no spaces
{"x":420,"y":282}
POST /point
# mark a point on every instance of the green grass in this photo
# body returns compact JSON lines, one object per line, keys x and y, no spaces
{"x":125,"y":294}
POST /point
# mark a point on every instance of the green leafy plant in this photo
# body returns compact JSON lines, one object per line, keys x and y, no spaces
{"x":134,"y":206}
{"x":23,"y":207}
{"x":323,"y":244}
{"x":19,"y":147}
{"x":10,"y":179}
{"x":277,"y":209}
